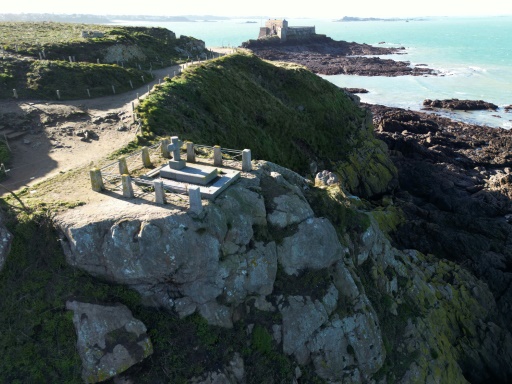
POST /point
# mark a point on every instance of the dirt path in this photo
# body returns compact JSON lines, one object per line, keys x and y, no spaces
{"x":54,"y":143}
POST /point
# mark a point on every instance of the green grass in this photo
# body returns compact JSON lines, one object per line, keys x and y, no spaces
{"x":26,"y":43}
{"x":284,"y":114}
{"x":37,"y":337}
{"x":38,"y":340}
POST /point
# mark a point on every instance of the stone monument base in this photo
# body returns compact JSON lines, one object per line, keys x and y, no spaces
{"x":192,"y":174}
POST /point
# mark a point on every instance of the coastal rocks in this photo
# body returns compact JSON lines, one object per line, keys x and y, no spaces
{"x":406,"y":121}
{"x":339,"y":57}
{"x":110,"y":340}
{"x":368,"y":172}
{"x":301,"y":251}
{"x":462,"y":105}
{"x":344,"y":343}
{"x":5,"y":244}
{"x":455,"y":193}
{"x":356,"y":90}
{"x":186,"y":264}
{"x":326,"y":178}
{"x":301,"y":318}
{"x":289,"y":207}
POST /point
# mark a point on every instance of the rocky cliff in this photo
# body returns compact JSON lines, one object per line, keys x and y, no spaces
{"x":338,"y":299}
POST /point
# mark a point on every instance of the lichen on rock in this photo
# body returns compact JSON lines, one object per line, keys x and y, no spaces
{"x":110,"y":340}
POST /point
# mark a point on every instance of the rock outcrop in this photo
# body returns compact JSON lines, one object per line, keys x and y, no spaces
{"x":329,"y":57}
{"x":110,"y":340}
{"x":341,"y":298}
{"x":464,"y":105}
{"x":455,"y":182}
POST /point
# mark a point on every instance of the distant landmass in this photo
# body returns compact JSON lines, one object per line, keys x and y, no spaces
{"x":351,"y":18}
{"x":73,"y":18}
{"x":96,"y":19}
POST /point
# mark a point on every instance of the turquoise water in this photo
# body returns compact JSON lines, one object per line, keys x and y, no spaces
{"x":473,"y":57}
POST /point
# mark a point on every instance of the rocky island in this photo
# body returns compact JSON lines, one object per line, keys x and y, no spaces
{"x":364,"y":244}
{"x":461,"y":105}
{"x":321,"y":54}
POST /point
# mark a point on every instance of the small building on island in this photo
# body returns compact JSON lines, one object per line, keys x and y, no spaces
{"x":279,"y":28}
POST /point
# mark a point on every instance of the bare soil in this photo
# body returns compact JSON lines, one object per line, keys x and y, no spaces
{"x":68,"y":137}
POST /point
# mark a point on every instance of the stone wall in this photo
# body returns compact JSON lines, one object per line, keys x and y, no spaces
{"x":299,"y":32}
{"x":280,"y":28}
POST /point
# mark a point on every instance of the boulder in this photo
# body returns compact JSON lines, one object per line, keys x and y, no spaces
{"x":288,"y":210}
{"x":464,"y":105}
{"x":110,"y":339}
{"x":344,"y":343}
{"x":315,"y":245}
{"x":302,"y":317}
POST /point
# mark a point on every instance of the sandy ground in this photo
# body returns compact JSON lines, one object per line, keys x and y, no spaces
{"x":54,"y":147}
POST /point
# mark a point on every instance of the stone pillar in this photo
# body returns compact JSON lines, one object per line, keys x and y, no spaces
{"x":123,"y":167}
{"x":175,"y":147}
{"x":127,"y":186}
{"x":217,"y":156}
{"x":146,"y":160}
{"x":194,"y":195}
{"x":164,"y":149}
{"x":159,"y":192}
{"x":191,"y":155}
{"x":246,"y":160}
{"x":96,"y":180}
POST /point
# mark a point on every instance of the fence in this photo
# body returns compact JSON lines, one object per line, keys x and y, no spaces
{"x":132,"y":176}
{"x":98,"y":90}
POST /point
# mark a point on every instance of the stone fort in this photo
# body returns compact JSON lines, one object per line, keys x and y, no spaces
{"x":280,"y":28}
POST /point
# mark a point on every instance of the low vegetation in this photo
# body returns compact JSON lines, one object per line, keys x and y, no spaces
{"x":37,"y":59}
{"x":284,"y":114}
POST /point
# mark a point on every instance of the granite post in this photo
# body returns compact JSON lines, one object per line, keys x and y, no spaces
{"x":146,"y":160}
{"x":217,"y":156}
{"x":191,"y":155}
{"x":123,"y":167}
{"x":194,"y":194}
{"x":96,"y":180}
{"x":127,"y":186}
{"x":159,"y":191}
{"x":164,"y":149}
{"x":246,"y":160}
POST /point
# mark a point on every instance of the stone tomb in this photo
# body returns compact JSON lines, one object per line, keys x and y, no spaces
{"x":211,"y":180}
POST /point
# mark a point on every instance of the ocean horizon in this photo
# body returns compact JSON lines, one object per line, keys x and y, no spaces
{"x":473,"y":57}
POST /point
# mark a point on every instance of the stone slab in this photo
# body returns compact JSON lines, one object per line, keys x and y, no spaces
{"x":193,"y":174}
{"x":225,"y":179}
{"x":211,"y":191}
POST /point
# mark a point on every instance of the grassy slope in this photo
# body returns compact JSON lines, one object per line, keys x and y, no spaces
{"x":283,"y":114}
{"x":22,"y":70}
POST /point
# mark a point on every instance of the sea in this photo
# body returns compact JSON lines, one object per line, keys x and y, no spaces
{"x":473,"y":57}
